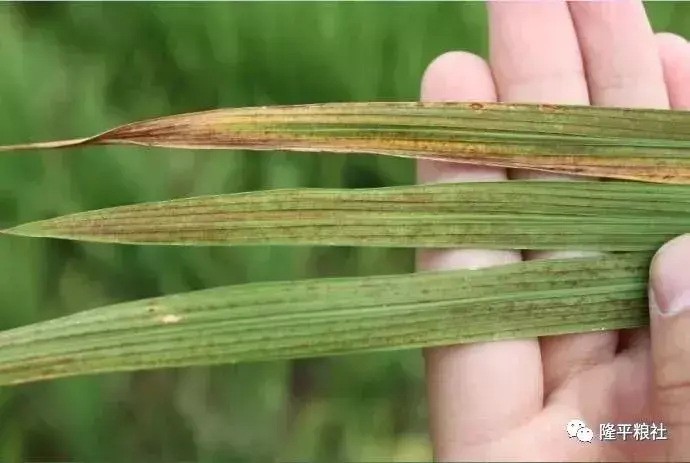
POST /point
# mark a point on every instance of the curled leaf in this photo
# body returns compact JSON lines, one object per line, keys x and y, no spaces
{"x":605,"y":216}
{"x":635,"y":144}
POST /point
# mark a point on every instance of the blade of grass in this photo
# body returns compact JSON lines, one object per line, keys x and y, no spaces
{"x":266,"y":321}
{"x":606,"y":216}
{"x":634,"y":144}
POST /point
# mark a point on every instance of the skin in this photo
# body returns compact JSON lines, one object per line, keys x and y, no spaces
{"x":511,"y":400}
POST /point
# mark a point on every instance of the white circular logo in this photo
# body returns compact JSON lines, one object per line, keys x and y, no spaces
{"x":585,"y":434}
{"x":573,"y":427}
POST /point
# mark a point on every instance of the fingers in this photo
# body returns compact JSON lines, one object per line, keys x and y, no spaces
{"x":620,"y":54}
{"x":670,"y":276}
{"x":623,"y":67}
{"x":670,"y":324}
{"x":674,"y":52}
{"x":466,"y":384}
{"x":534,"y":53}
{"x":536,"y":58}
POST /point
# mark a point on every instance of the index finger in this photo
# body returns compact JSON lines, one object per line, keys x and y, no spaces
{"x":466,"y":384}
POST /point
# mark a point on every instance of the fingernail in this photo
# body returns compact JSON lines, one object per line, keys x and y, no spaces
{"x":669,"y":289}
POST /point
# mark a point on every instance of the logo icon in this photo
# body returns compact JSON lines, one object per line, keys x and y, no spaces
{"x":578,"y":429}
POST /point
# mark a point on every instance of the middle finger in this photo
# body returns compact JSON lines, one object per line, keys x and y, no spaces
{"x":536,"y":58}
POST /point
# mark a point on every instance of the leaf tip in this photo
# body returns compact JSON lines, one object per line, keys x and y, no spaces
{"x":31,"y":229}
{"x":47,"y":145}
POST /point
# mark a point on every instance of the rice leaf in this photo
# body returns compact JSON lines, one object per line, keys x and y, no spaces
{"x":267,"y":321}
{"x":634,"y":144}
{"x":604,"y":216}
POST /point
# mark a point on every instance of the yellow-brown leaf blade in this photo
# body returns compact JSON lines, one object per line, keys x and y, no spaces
{"x":634,"y":144}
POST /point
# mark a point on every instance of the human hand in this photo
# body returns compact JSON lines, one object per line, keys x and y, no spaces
{"x":511,"y":400}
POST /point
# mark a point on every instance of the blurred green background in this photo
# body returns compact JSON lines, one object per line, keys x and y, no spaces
{"x":73,"y":69}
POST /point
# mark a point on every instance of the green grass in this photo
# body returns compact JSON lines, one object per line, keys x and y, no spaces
{"x":70,"y":70}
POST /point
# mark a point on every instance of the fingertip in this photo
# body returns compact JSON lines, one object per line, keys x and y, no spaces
{"x":670,"y":345}
{"x":458,"y":76}
{"x":672,"y":255}
{"x":670,"y":276}
{"x":669,"y":39}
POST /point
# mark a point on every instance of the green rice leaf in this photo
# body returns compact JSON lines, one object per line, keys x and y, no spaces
{"x":267,"y":321}
{"x":605,"y":216}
